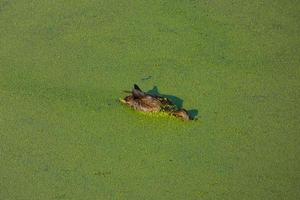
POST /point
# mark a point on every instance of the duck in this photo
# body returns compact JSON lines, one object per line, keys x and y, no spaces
{"x":144,"y":102}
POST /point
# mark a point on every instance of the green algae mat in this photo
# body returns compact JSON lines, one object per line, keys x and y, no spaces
{"x":234,"y":64}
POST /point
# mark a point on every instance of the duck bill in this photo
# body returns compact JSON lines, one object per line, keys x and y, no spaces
{"x":122,"y":100}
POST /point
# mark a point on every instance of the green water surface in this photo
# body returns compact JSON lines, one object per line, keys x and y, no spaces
{"x":64,"y":64}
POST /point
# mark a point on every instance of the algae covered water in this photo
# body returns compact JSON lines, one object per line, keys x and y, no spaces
{"x":64,"y":65}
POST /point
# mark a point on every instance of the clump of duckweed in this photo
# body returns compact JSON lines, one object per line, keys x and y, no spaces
{"x":157,"y":115}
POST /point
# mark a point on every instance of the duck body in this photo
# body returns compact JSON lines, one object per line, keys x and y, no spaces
{"x":144,"y":104}
{"x":141,"y":101}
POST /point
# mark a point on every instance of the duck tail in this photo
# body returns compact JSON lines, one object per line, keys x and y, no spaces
{"x":137,"y":87}
{"x":137,"y":92}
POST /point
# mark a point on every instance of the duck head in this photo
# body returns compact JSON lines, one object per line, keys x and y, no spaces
{"x":129,"y":100}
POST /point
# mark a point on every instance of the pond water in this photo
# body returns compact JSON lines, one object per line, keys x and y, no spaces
{"x":64,"y":65}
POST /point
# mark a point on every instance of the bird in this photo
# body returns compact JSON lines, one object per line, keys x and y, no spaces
{"x":141,"y":101}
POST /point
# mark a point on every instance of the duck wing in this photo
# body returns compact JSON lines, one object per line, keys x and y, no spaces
{"x":166,"y":104}
{"x":149,"y":104}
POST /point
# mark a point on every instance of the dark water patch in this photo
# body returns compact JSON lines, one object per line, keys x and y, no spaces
{"x":163,"y":28}
{"x":146,"y":78}
{"x":102,"y":173}
{"x":194,"y":114}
